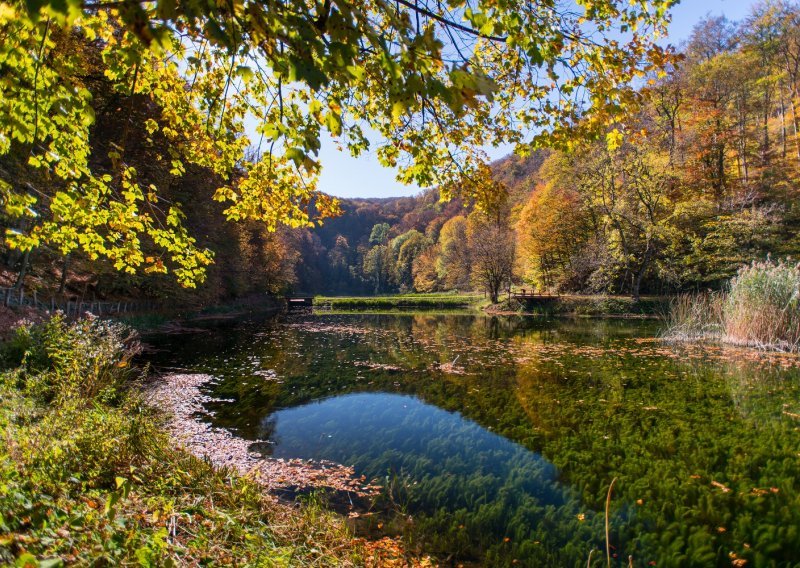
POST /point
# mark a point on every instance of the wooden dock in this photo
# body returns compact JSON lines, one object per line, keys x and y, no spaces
{"x":299,"y":302}
{"x":525,"y":294}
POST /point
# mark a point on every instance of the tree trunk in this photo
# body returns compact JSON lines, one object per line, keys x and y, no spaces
{"x":23,"y":270}
{"x":765,"y":131}
{"x":783,"y":123}
{"x":64,"y":267}
{"x":637,"y":284}
{"x":795,"y":119}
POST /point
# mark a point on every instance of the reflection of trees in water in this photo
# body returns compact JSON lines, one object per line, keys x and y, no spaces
{"x":266,"y":430}
{"x":751,"y":389}
{"x":575,"y":390}
{"x":667,"y":429}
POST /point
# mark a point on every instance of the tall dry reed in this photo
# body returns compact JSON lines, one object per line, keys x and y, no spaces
{"x":695,"y":317}
{"x":760,"y":308}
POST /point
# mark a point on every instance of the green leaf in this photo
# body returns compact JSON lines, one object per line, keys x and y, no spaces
{"x":245,"y":72}
{"x":333,"y":122}
{"x":398,"y":110}
{"x":296,"y":155}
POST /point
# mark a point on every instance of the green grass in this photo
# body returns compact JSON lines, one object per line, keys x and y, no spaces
{"x":563,"y":305}
{"x":398,"y":301}
{"x":591,"y":306}
{"x":87,"y":475}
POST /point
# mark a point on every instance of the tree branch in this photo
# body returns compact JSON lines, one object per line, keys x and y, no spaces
{"x":449,"y":23}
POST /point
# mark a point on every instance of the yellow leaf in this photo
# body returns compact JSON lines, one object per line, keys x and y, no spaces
{"x":614,"y":139}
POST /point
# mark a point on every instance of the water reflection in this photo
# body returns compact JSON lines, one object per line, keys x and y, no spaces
{"x":499,"y":436}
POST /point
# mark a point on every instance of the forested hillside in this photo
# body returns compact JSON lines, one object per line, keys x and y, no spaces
{"x":702,"y":178}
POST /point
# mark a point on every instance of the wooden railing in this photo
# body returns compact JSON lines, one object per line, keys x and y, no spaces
{"x":525,"y":293}
{"x":73,"y":307}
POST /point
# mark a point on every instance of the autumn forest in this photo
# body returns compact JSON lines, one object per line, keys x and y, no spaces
{"x":702,"y":179}
{"x":698,"y":180}
{"x":574,"y":342}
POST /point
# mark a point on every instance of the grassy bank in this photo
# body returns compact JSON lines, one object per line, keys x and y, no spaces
{"x":759,"y":308}
{"x":618,"y":306}
{"x":399,"y":301}
{"x":88,"y":476}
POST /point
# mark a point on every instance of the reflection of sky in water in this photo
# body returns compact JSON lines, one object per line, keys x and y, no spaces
{"x":510,"y":458}
{"x":393,"y":434}
{"x":488,"y":487}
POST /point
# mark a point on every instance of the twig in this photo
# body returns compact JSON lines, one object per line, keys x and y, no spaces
{"x":608,"y":505}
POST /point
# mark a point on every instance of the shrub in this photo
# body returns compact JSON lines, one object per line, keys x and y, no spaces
{"x":763,"y":306}
{"x":84,"y":360}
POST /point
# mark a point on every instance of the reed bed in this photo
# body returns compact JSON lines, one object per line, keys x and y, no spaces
{"x":760,"y":308}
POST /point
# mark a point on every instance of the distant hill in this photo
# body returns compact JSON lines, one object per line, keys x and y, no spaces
{"x":320,"y":269}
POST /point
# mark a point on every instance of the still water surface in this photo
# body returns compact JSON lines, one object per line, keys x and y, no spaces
{"x":497,"y":438}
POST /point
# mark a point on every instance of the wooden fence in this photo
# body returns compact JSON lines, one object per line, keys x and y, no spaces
{"x":73,"y":307}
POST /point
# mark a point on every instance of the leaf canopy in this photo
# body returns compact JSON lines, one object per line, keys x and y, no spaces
{"x":247,"y":89}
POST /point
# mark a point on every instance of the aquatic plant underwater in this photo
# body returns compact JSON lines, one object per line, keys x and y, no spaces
{"x":497,"y":438}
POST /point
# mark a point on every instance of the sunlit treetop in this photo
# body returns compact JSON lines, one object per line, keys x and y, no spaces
{"x":437,"y":80}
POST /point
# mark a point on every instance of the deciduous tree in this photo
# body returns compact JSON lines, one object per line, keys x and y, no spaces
{"x":437,"y":81}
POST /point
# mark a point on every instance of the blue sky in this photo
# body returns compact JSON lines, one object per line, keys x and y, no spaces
{"x":345,"y":176}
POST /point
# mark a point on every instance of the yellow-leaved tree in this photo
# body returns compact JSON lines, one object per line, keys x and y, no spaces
{"x":436,"y":80}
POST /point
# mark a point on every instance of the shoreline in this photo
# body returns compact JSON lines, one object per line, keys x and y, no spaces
{"x":576,"y":315}
{"x":179,"y":398}
{"x":178,"y":395}
{"x":730,"y":341}
{"x":577,"y":306}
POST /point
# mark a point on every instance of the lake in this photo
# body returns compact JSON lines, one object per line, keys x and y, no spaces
{"x":496,"y":438}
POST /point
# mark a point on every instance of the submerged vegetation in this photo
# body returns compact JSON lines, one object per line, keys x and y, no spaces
{"x":497,"y":438}
{"x":760,"y":308}
{"x":87,"y":475}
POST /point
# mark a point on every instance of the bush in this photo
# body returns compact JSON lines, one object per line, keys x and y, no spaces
{"x":84,"y":360}
{"x":763,"y":306}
